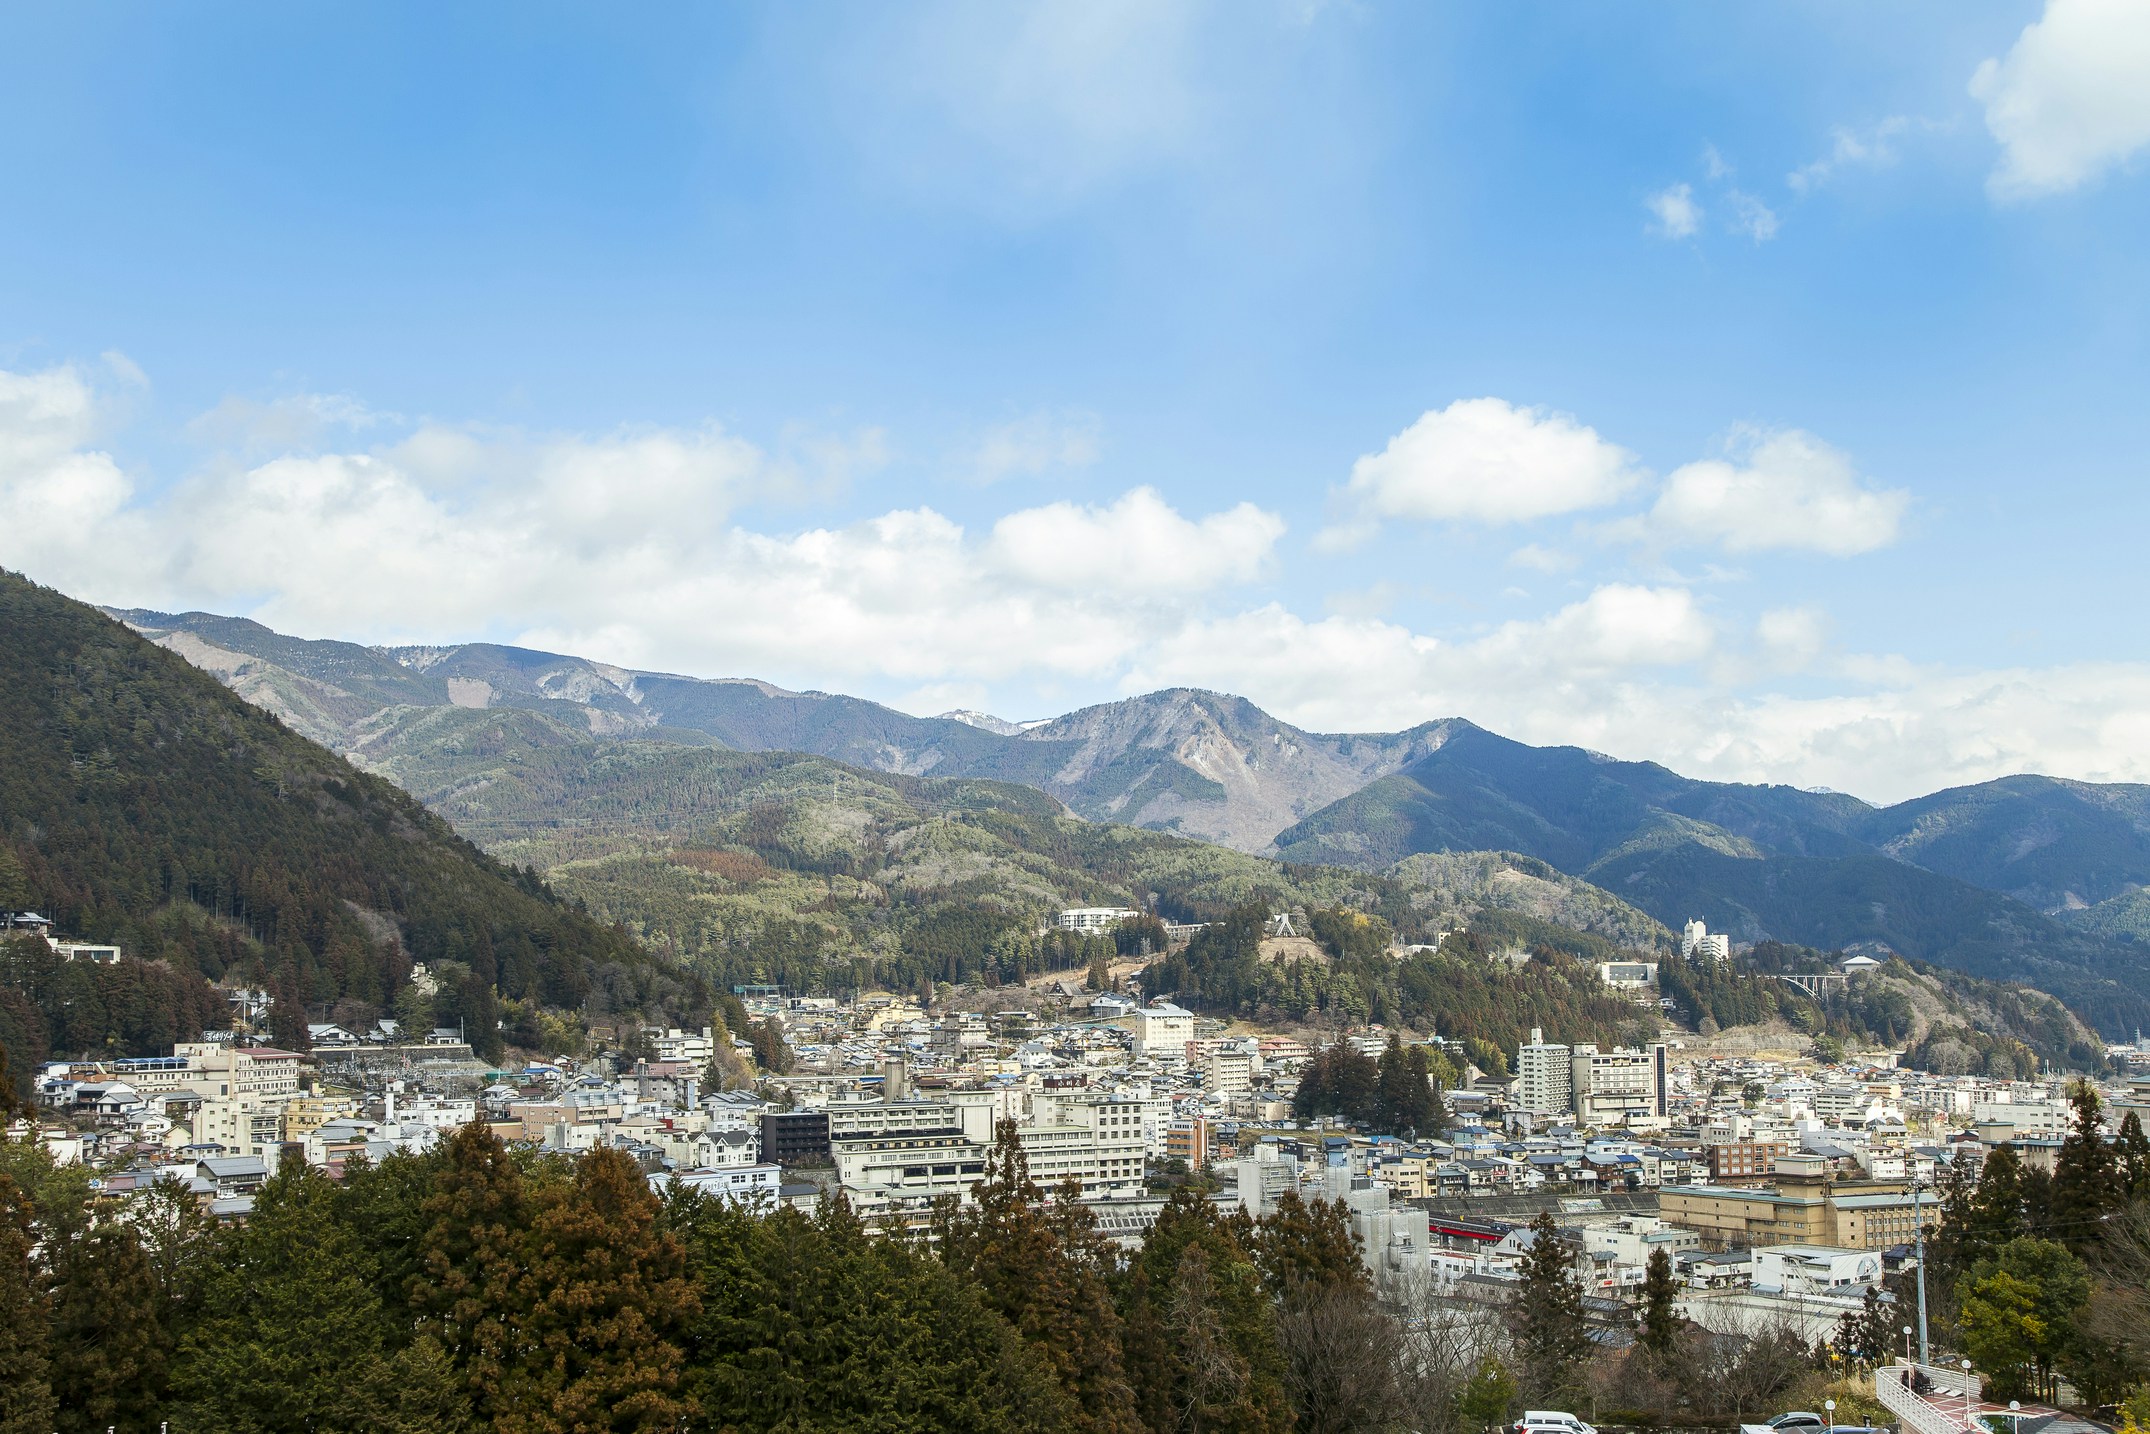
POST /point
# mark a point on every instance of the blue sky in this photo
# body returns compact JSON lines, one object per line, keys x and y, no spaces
{"x":1757,"y":389}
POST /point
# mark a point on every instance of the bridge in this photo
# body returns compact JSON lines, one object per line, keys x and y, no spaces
{"x":1931,"y":1399}
{"x":1815,"y":982}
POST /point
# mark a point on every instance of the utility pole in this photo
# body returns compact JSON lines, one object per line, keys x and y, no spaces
{"x":1918,"y":1221}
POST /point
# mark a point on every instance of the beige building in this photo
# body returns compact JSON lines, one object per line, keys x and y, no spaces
{"x":1803,"y":1207}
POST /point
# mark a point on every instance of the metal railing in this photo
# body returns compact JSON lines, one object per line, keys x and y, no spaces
{"x":1892,"y":1385}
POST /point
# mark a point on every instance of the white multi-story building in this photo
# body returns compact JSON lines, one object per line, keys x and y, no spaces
{"x":1161,"y":1029}
{"x":1228,"y":1072}
{"x":1545,"y":1084}
{"x":694,"y":1047}
{"x":758,"y":1186}
{"x":1698,"y":942}
{"x":1094,"y":918}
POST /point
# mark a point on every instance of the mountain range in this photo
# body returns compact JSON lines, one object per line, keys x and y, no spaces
{"x":2028,"y":878}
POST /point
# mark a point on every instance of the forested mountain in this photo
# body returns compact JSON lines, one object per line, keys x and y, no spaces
{"x":2025,"y":878}
{"x":141,"y":802}
{"x":787,"y":867}
{"x":1200,"y":763}
{"x":1762,"y":862}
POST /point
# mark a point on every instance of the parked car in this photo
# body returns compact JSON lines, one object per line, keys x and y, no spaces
{"x":1799,"y":1421}
{"x":1551,"y":1421}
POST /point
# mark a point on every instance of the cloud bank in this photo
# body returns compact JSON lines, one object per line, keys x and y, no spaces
{"x":2071,"y":98}
{"x":634,"y":547}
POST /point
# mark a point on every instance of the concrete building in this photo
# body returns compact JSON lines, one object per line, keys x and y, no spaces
{"x":755,"y":1186}
{"x":1612,"y":1087}
{"x":1745,"y":1159}
{"x":1094,"y":918}
{"x":1815,"y":1269}
{"x":1698,"y":942}
{"x":1160,"y":1029}
{"x":1803,"y":1207}
{"x":1545,"y":1082}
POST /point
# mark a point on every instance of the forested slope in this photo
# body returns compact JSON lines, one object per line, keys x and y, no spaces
{"x":141,"y":802}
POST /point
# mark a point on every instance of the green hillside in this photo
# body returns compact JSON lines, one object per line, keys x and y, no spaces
{"x":2053,"y":844}
{"x":1766,"y":862}
{"x":143,"y":803}
{"x":775,"y":866}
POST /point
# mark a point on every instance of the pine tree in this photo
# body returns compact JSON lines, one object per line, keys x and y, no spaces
{"x":2133,"y":1150}
{"x":1658,"y":1325}
{"x":110,"y":1351}
{"x":1201,"y":1333}
{"x":604,"y":1299}
{"x":1043,"y":1272}
{"x":1305,"y":1247}
{"x":1406,"y":1101}
{"x":1996,"y":1206}
{"x":817,"y":1326}
{"x":26,"y":1402}
{"x":1865,"y":1335}
{"x":294,"y":1334}
{"x":1545,"y":1315}
{"x":2088,"y":1183}
{"x":470,"y":1259}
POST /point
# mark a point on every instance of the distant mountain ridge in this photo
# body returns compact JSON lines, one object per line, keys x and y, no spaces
{"x":2023,"y":878}
{"x":1951,"y":878}
{"x":1199,"y":763}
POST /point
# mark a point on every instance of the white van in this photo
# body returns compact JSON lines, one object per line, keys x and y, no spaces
{"x":1551,"y":1421}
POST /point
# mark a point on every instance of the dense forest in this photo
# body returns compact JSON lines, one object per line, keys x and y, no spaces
{"x":475,"y":1289}
{"x":142,"y":803}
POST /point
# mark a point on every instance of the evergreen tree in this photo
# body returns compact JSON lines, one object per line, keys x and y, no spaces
{"x":178,"y":1238}
{"x":1201,"y":1347}
{"x":1658,"y":1326}
{"x":1044,"y":1272}
{"x":2088,"y":1182}
{"x":1866,"y":1335}
{"x":26,"y":1402}
{"x":2019,"y":1313}
{"x":1994,"y":1213}
{"x":1545,"y":1315}
{"x":110,"y":1350}
{"x":815,"y":1326}
{"x":1308,"y":1247}
{"x":1339,"y":1081}
{"x":14,"y":886}
{"x":294,"y":1335}
{"x":470,"y":1259}
{"x":603,"y":1298}
{"x":2132,"y":1149}
{"x":1405,"y":1102}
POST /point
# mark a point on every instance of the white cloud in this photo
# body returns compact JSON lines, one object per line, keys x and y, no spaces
{"x":1780,"y":490}
{"x":1714,"y":164}
{"x":1751,"y":217}
{"x":1034,"y":444}
{"x":623,"y":545}
{"x":1874,"y":148}
{"x":628,"y":547}
{"x":1140,"y":540}
{"x":1790,"y":639}
{"x":2071,"y":99}
{"x":1484,"y":460}
{"x":299,"y":420}
{"x":1347,"y":673}
{"x":1674,"y":213}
